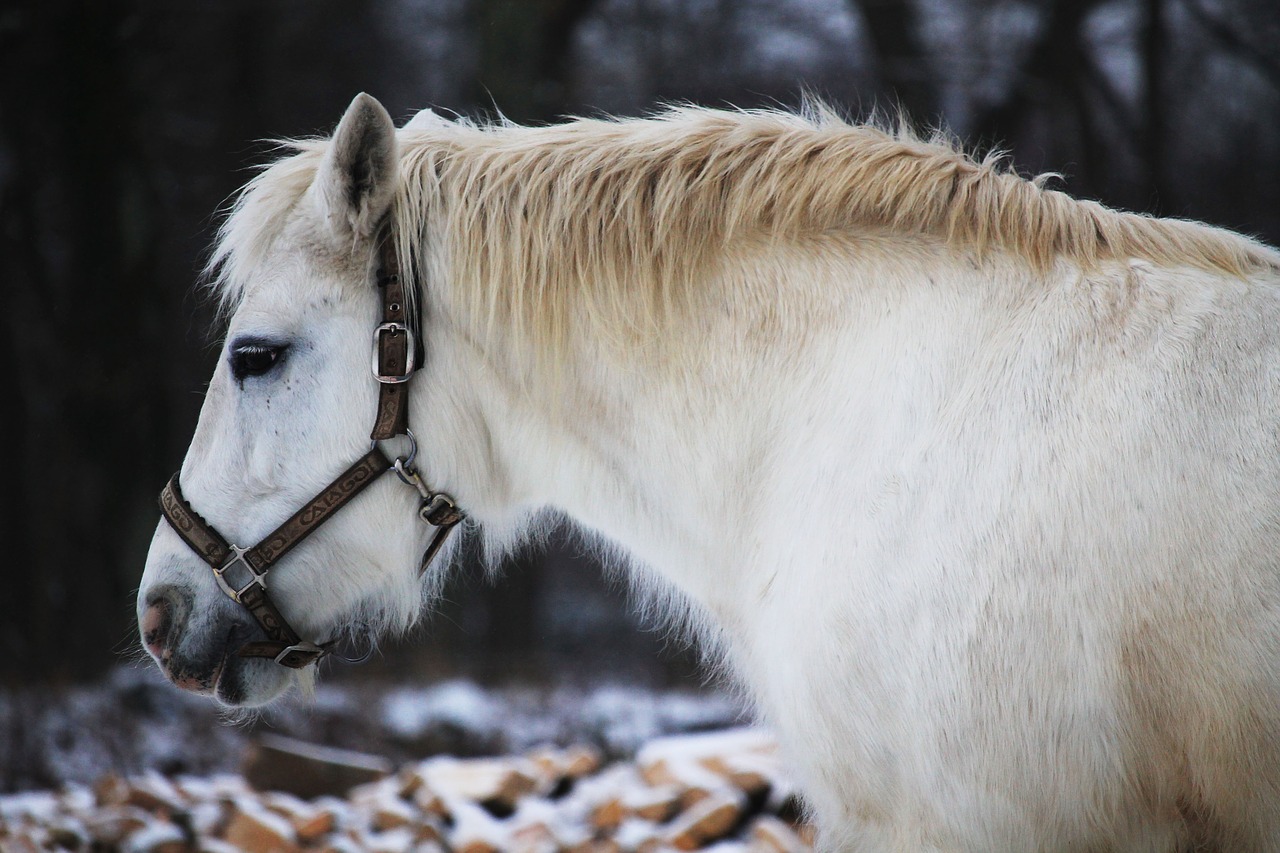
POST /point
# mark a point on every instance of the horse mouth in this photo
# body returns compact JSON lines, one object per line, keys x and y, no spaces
{"x":225,"y":683}
{"x":229,"y":687}
{"x":202,"y":684}
{"x":217,"y":680}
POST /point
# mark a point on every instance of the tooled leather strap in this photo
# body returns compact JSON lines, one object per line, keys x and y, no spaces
{"x":280,"y":636}
{"x":191,"y":526}
{"x":444,"y":516}
{"x":202,"y":538}
{"x":316,"y":511}
{"x":395,"y":348}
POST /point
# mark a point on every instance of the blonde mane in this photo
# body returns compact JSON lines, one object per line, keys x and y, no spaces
{"x":615,"y":219}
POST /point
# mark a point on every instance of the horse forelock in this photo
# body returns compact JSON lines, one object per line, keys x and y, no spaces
{"x":255,"y":218}
{"x":616,"y":220}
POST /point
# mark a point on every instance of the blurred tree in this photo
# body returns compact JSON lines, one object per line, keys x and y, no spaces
{"x":1229,"y":34}
{"x":124,"y":123}
{"x":901,"y":58}
{"x":77,"y":225}
{"x":1154,"y":59}
{"x":524,"y":55}
{"x":1053,"y":85}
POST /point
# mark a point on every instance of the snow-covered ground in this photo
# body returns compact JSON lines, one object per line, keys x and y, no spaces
{"x":133,"y":721}
{"x":132,"y":763}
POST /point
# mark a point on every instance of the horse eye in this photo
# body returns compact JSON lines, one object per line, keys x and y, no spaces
{"x":255,"y":359}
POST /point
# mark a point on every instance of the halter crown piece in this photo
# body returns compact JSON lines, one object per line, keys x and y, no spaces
{"x":241,"y":573}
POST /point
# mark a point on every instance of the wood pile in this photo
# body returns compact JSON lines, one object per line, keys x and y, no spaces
{"x":723,"y":791}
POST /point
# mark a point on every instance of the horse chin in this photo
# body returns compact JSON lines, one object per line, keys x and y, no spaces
{"x":221,"y":674}
{"x":250,"y":683}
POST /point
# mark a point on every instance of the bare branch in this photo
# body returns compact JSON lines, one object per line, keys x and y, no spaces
{"x":1227,"y":35}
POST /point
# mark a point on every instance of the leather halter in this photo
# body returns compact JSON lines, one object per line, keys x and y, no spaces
{"x":241,"y":573}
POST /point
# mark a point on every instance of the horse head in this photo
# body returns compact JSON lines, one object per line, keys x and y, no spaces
{"x":288,"y":408}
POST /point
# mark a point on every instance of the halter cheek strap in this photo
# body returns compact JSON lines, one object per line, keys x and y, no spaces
{"x":241,"y":572}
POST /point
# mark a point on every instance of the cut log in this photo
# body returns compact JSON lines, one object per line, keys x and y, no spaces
{"x":474,"y":830}
{"x":293,"y":809}
{"x":254,"y":829}
{"x":313,"y":827}
{"x":480,"y":780}
{"x":707,"y":745}
{"x":157,"y":837}
{"x":392,"y":841}
{"x":216,"y":845}
{"x":533,"y":838}
{"x":112,"y":824}
{"x":684,"y":793}
{"x":654,"y":804}
{"x":308,"y":770}
{"x":635,"y":833}
{"x":752,"y":772}
{"x":773,"y":835}
{"x":690,"y":777}
{"x":707,"y":820}
{"x":393,"y":814}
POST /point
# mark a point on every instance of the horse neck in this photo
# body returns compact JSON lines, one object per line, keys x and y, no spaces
{"x":615,"y":453}
{"x":694,"y":465}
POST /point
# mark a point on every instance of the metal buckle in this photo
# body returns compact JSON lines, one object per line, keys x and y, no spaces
{"x":301,"y":654}
{"x":439,"y":510}
{"x":410,"y":354}
{"x":237,"y":556}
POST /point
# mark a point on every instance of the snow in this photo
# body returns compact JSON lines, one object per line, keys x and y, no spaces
{"x":409,"y":712}
{"x":697,"y":747}
{"x":134,"y":721}
{"x":33,"y":806}
{"x":477,"y":804}
{"x":152,"y":836}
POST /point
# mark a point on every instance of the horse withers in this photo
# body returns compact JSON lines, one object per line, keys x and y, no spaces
{"x":973,"y":487}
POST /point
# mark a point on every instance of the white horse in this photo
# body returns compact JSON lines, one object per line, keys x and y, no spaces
{"x":974,"y":487}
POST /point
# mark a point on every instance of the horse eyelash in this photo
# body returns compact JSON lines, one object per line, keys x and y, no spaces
{"x":247,"y":349}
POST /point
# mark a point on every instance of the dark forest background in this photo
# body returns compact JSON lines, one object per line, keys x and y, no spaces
{"x":125,"y":125}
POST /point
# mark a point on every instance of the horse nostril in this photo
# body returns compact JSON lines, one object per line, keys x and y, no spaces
{"x":162,"y":620}
{"x":155,"y":624}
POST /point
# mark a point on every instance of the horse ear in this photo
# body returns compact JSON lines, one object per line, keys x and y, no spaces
{"x":357,"y":179}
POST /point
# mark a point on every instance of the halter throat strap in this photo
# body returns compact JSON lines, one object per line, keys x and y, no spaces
{"x":241,"y":572}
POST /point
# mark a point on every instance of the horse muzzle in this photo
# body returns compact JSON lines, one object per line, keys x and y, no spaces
{"x":197,"y":649}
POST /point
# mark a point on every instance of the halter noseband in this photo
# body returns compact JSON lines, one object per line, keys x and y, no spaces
{"x":241,"y":573}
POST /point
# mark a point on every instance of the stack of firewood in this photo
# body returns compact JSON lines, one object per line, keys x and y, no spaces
{"x":724,"y":791}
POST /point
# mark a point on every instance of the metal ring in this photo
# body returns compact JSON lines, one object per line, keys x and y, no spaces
{"x":407,"y":461}
{"x":369,"y":645}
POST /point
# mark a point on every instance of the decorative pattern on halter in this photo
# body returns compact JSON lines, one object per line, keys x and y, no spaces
{"x":241,"y":572}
